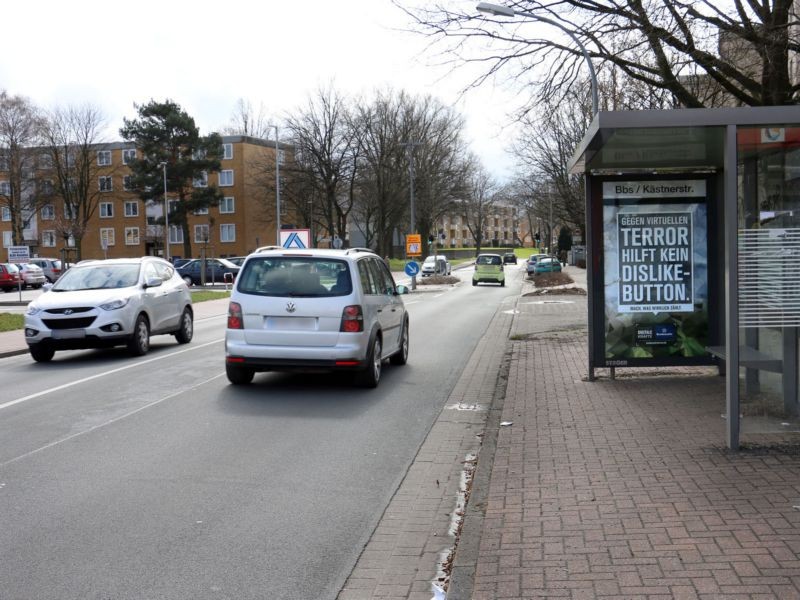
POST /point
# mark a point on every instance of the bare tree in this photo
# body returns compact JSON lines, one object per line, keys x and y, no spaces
{"x":383,"y":166}
{"x":689,"y":49}
{"x":72,"y":138}
{"x":249,"y":121}
{"x":325,"y":147}
{"x":20,"y":124}
{"x":439,"y":161}
{"x":480,"y":198}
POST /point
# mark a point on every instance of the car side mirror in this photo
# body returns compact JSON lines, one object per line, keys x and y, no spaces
{"x":153,"y":282}
{"x":401,"y":289}
{"x":47,"y":287}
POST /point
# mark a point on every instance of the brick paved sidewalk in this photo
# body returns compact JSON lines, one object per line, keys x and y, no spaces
{"x":624,"y":489}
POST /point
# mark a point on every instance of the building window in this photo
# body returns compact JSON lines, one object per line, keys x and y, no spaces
{"x":227,"y":151}
{"x":226,"y":205}
{"x":48,"y":212}
{"x":5,"y":188}
{"x":226,"y":178}
{"x":4,"y":164}
{"x":46,"y":187}
{"x":45,"y":161}
{"x":49,"y":238}
{"x":7,"y":239}
{"x":5,"y":214}
{"x":201,"y":234}
{"x":106,"y":237}
{"x":106,"y":184}
{"x":128,"y":155}
{"x":104,"y":158}
{"x":131,"y":236}
{"x":227,"y":233}
{"x":106,"y":210}
{"x":126,"y":182}
{"x":70,"y":211}
{"x":131,"y":208}
{"x":281,"y":157}
{"x":201,"y":181}
{"x":201,"y":211}
{"x":175,"y":235}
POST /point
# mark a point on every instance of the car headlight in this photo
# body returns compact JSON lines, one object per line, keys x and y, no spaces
{"x":33,"y":310}
{"x":115,"y":304}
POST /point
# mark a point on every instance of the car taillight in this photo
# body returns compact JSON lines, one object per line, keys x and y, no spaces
{"x":235,"y":320}
{"x":352,"y":319}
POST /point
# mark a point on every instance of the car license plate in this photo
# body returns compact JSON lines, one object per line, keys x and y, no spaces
{"x":68,"y":334}
{"x":291,"y":323}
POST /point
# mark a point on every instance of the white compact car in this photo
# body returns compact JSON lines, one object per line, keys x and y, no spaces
{"x":315,"y":310}
{"x":104,"y":303}
{"x":435,"y":265}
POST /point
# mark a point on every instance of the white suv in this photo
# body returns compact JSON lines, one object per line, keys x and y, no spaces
{"x":103,"y":303}
{"x":315,"y":310}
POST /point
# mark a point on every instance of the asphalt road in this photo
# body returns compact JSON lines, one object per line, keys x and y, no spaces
{"x":152,"y":477}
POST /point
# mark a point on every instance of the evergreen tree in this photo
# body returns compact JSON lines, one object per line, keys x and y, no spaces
{"x":165,"y":133}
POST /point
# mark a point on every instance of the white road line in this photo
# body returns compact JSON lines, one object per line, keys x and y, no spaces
{"x":98,"y":375}
{"x":109,"y":422}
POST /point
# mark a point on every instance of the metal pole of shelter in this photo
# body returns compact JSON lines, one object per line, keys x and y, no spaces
{"x":731,"y":220}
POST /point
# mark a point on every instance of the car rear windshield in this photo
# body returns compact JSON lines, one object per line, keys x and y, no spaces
{"x":488,"y":260}
{"x":98,"y":277}
{"x":295,"y":277}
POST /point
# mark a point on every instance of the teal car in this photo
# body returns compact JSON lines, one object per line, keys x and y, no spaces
{"x":547,"y":265}
{"x":489,"y":269}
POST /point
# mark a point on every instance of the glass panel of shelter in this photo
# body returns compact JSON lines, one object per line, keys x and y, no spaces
{"x":768,"y":248}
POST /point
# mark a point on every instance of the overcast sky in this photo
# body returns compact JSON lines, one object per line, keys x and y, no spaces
{"x":206,"y":55}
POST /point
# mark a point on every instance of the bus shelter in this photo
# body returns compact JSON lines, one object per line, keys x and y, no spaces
{"x":693,"y":238}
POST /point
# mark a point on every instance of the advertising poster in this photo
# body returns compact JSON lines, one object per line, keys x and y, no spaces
{"x":655,"y":270}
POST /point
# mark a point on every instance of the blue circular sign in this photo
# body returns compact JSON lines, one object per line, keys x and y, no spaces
{"x":412,"y":268}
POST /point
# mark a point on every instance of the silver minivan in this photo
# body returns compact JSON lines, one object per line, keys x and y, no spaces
{"x":315,"y":310}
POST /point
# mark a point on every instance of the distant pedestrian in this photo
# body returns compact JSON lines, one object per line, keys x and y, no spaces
{"x":562,"y":257}
{"x":386,"y":260}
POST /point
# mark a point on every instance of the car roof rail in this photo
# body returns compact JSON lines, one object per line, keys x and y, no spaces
{"x":265,"y":248}
{"x":370,"y":250}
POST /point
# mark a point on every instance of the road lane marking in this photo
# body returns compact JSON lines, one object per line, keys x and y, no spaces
{"x":98,"y":375}
{"x":109,"y":422}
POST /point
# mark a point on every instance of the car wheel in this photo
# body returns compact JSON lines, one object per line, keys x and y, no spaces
{"x":139,"y":342}
{"x":503,"y":283}
{"x":188,"y":281}
{"x":186,"y":331}
{"x":370,"y":376}
{"x":401,"y":356}
{"x":474,"y":283}
{"x":239,"y":375}
{"x":42,"y":352}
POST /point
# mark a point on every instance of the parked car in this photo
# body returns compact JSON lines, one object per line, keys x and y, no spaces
{"x":435,"y":265}
{"x":216,"y":268}
{"x":32,"y":275}
{"x":489,"y":268}
{"x":179,"y":262}
{"x":104,"y":303}
{"x":51,"y":267}
{"x":509,"y":258}
{"x":547,"y":265}
{"x":9,"y":277}
{"x":237,"y":260}
{"x":530,"y":264}
{"x":312,"y":310}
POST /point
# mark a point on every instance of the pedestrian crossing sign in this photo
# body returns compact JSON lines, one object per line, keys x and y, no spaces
{"x":296,"y":238}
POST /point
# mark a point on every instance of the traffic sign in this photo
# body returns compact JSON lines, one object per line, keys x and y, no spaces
{"x":413,"y":244}
{"x":412,"y":268}
{"x":296,"y":238}
{"x":19,"y":254}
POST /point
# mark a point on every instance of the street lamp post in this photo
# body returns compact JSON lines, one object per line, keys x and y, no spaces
{"x":277,"y":188}
{"x":410,"y":149}
{"x":505,"y":11}
{"x":166,"y":213}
